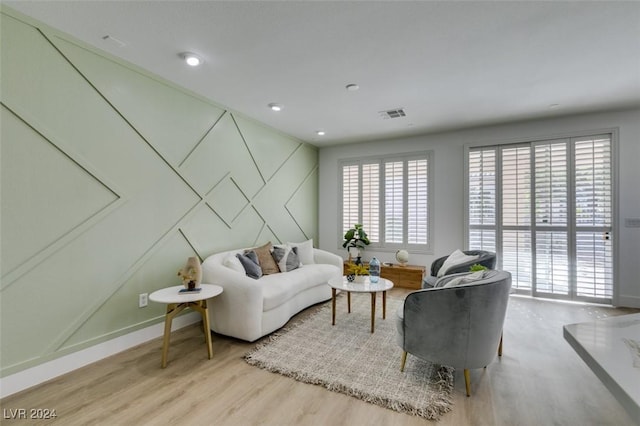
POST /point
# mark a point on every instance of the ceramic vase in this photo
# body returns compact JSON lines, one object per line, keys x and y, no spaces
{"x":191,"y":274}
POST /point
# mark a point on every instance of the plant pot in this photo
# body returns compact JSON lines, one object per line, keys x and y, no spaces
{"x":360,"y":279}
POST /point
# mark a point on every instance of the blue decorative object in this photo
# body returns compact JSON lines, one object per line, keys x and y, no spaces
{"x":374,"y":270}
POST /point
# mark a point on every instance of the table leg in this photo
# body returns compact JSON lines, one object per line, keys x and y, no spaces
{"x":333,"y":306}
{"x":373,"y":310}
{"x":349,"y":302}
{"x":201,"y":307}
{"x":173,"y":309}
{"x":384,"y":305}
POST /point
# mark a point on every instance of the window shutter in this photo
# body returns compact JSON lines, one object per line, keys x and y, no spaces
{"x":482,"y":199}
{"x":417,"y":194}
{"x":394,"y":201}
{"x":350,"y":186}
{"x":594,"y":269}
{"x":371,"y":200}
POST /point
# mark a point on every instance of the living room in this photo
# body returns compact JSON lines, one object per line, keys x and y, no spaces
{"x":125,"y":205}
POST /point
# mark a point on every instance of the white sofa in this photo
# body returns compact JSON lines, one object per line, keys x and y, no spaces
{"x":249,"y":309}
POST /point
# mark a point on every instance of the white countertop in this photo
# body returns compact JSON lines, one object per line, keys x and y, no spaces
{"x":611,"y":348}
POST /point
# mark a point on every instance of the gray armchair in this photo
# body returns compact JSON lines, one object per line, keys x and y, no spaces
{"x":457,"y":326}
{"x":485,"y":258}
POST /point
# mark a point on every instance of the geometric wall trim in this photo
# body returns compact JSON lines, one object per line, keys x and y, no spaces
{"x":112,"y":177}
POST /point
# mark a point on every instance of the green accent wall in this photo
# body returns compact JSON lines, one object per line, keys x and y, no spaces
{"x":111,"y":178}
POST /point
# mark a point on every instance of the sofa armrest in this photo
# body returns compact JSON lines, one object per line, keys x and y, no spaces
{"x":241,"y":301}
{"x":323,"y":256}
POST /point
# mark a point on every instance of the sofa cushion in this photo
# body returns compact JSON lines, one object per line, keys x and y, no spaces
{"x":465,"y":278}
{"x":305,"y":251}
{"x":265,"y":260}
{"x":279,"y":288}
{"x":455,"y":258}
{"x":232,"y":262}
{"x":249,"y":261}
{"x":286,"y":257}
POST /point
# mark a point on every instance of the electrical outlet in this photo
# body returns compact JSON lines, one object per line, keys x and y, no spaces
{"x":143,"y":300}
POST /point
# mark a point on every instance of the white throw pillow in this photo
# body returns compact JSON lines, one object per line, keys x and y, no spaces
{"x":305,"y":251}
{"x":465,"y":279}
{"x":455,"y":258}
{"x":232,"y":262}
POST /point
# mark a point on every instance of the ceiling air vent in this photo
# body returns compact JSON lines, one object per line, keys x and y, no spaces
{"x":393,"y":113}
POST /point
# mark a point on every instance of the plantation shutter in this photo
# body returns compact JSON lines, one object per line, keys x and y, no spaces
{"x":482,"y":199}
{"x":417,"y":195}
{"x":516,"y":214}
{"x":350,"y":199}
{"x":546,"y":209}
{"x":394,"y":201}
{"x":593,"y":180}
{"x":371,"y":201}
{"x":551,"y":209}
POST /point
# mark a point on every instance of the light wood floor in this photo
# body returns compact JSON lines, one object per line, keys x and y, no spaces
{"x":538,"y":381}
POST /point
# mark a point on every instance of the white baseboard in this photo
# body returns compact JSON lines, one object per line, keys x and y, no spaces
{"x":41,"y":373}
{"x":629,"y":301}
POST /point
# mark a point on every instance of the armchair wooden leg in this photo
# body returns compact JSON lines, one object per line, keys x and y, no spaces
{"x":404,"y":360}
{"x":467,"y":381}
{"x":500,"y":345}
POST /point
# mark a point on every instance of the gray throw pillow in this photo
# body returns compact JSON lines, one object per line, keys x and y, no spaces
{"x":286,"y":257}
{"x":250,"y":264}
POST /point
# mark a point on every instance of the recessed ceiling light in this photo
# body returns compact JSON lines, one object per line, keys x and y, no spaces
{"x":275,"y":107}
{"x":191,"y":59}
{"x":320,"y":133}
{"x":352,"y":87}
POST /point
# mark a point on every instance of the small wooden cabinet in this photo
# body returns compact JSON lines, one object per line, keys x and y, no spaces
{"x":408,"y":276}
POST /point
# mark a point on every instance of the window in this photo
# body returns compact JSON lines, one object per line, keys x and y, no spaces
{"x":545,"y":207}
{"x":390,"y":197}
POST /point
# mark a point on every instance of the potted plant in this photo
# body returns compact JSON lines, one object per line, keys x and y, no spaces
{"x":357,"y":272}
{"x":355,"y":237}
{"x":477,"y":267}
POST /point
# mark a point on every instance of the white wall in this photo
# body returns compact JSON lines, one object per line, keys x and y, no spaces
{"x":448,"y":197}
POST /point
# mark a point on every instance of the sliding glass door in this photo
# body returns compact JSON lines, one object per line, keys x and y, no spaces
{"x":546,"y":208}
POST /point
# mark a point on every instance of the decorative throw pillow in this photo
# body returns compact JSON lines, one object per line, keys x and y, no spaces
{"x":465,"y":279}
{"x":233,"y":262}
{"x":286,"y":257}
{"x":265,"y":260}
{"x":455,"y":258}
{"x":305,"y":251}
{"x":250,"y":264}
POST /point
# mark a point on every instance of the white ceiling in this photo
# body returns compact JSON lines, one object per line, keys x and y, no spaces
{"x":450,"y":65}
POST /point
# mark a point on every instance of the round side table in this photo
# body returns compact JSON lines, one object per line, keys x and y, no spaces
{"x":177,"y":302}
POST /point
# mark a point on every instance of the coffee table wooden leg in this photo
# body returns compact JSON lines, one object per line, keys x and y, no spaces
{"x":384,"y":305}
{"x":349,"y":302}
{"x":333,"y":306}
{"x":373,"y":311}
{"x":173,"y":309}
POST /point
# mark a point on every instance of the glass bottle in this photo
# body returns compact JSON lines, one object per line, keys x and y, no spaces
{"x":374,"y":270}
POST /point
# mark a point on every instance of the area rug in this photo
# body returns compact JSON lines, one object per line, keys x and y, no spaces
{"x":348,"y":358}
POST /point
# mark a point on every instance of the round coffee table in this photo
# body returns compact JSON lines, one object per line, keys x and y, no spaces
{"x":177,"y":302}
{"x":367,"y":287}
